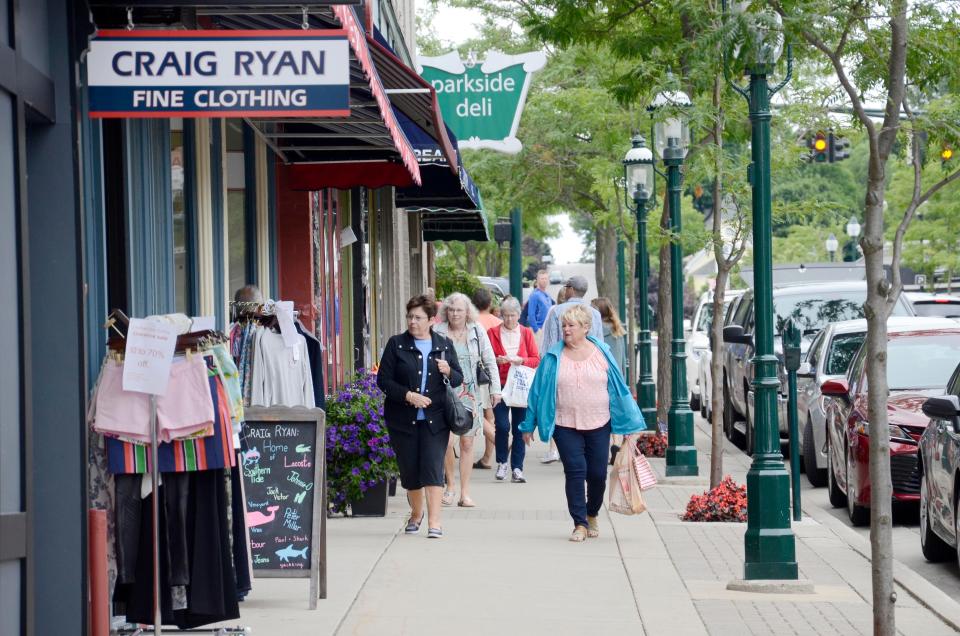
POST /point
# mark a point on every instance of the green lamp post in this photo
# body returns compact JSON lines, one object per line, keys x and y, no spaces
{"x":638,"y":172}
{"x":671,"y":136}
{"x":770,"y":545}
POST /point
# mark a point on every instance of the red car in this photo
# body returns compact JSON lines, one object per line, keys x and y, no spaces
{"x":919,"y":363}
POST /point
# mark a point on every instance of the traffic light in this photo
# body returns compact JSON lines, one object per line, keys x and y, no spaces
{"x":838,"y":148}
{"x":819,"y":146}
{"x":946,"y":155}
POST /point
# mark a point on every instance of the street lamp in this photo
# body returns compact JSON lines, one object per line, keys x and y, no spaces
{"x":832,"y":244}
{"x":638,"y":172}
{"x":850,"y":251}
{"x":769,"y":542}
{"x":671,"y":136}
{"x":853,"y":227}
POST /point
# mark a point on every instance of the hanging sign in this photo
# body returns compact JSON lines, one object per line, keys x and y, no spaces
{"x":482,"y":103}
{"x":148,"y":356}
{"x":162,"y":74}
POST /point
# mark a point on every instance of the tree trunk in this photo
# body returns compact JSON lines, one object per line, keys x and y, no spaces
{"x":716,"y":379}
{"x":471,"y":248}
{"x":606,"y":264}
{"x":664,"y":323}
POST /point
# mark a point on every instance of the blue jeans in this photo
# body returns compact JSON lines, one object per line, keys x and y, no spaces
{"x":507,"y":418}
{"x":584,"y":455}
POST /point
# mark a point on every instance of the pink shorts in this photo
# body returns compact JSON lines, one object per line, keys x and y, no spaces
{"x":186,"y":410}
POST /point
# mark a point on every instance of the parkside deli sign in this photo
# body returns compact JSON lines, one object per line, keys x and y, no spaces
{"x":161,"y":74}
{"x":482,"y":103}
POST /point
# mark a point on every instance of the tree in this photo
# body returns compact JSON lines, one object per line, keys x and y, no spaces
{"x":876,"y":48}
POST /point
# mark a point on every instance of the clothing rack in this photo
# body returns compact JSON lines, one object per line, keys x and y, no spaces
{"x":184,"y":343}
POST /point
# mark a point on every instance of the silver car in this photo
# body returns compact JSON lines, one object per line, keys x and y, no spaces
{"x":828,"y":358}
{"x":704,"y":357}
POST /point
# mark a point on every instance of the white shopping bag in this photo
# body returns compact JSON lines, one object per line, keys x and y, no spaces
{"x":519,"y":379}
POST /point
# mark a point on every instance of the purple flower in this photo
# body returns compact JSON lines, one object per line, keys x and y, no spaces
{"x":355,"y":472}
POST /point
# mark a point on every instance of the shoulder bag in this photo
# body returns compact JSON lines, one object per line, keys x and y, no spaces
{"x":482,"y":376}
{"x":458,"y":418}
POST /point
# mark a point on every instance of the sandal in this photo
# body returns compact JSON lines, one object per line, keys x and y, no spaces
{"x":448,"y":497}
{"x":593,"y":527}
{"x":479,"y":465}
{"x":466,"y":503}
{"x":579,"y":534}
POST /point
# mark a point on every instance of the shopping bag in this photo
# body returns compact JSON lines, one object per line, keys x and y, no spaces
{"x":645,"y":475}
{"x":625,"y":497}
{"x":519,"y":379}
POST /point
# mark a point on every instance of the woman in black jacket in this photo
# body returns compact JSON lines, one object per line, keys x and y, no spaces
{"x":412,"y":371}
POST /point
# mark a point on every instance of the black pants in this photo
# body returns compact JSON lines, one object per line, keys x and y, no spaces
{"x":420,"y":455}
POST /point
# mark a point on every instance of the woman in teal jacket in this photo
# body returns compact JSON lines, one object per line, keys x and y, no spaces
{"x":579,"y":398}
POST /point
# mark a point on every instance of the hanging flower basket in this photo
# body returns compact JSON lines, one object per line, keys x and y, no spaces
{"x":359,"y":456}
{"x":726,"y":502}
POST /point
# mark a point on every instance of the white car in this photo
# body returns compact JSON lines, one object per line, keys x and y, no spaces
{"x":926,"y":304}
{"x":828,"y":358}
{"x":700,"y":353}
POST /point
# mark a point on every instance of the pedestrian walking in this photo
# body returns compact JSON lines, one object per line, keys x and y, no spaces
{"x":514,"y":345}
{"x":458,"y":322}
{"x":579,"y":398}
{"x":482,"y":300}
{"x":614,"y":335}
{"x":575,"y":288}
{"x":412,"y":370}
{"x":538,"y":305}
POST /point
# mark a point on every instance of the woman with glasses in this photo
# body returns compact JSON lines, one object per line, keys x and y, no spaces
{"x":458,"y":322}
{"x":412,"y":374}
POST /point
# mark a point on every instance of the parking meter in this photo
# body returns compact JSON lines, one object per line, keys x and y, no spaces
{"x":791,"y":361}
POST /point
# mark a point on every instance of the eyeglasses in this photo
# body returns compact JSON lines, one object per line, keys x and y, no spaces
{"x":416,"y":318}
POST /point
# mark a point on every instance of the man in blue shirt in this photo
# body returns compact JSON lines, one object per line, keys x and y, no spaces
{"x":576,"y":287}
{"x":538,"y":305}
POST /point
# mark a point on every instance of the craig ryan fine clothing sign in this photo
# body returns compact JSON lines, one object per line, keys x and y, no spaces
{"x":161,"y":74}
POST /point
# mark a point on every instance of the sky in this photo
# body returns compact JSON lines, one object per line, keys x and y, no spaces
{"x":458,"y":25}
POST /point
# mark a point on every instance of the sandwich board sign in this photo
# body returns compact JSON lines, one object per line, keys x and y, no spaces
{"x":482,"y":103}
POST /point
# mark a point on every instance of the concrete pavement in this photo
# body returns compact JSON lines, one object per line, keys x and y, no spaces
{"x":507,"y":566}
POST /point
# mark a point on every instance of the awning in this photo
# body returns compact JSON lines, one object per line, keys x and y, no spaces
{"x":454,"y":225}
{"x":441,"y":187}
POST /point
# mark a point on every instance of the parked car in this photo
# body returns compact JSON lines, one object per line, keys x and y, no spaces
{"x":812,"y":307}
{"x":498,"y":286}
{"x":940,"y":475}
{"x":698,"y":344}
{"x":556,"y":277}
{"x":828,"y":358}
{"x":925,"y":304}
{"x":919,"y":363}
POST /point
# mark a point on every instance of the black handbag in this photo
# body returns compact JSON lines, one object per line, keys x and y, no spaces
{"x":459,"y":418}
{"x":483,"y":377}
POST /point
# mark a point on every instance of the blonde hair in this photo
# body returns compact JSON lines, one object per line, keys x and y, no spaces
{"x":578,"y":314}
{"x":605,"y":307}
{"x":472,"y":313}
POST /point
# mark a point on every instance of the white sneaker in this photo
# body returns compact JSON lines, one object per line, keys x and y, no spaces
{"x":549,"y":458}
{"x":518,"y":477}
{"x":501,"y":472}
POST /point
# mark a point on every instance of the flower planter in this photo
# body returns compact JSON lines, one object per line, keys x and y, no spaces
{"x":393,"y":486}
{"x":373,"y":503}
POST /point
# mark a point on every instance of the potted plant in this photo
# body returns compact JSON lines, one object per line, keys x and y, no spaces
{"x":360,"y":460}
{"x":726,"y":502}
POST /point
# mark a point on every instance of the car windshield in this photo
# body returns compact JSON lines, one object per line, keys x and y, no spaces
{"x":811,"y":314}
{"x":942,"y":309}
{"x":842,"y":349}
{"x":706,"y":315}
{"x":922,"y":362}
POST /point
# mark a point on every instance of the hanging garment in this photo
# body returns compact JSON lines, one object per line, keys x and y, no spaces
{"x":315,"y":351}
{"x":281,"y":374}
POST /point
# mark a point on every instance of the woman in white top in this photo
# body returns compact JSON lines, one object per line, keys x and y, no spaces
{"x":458,"y":322}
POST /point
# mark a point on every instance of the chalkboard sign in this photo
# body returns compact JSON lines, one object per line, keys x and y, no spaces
{"x":284,"y":481}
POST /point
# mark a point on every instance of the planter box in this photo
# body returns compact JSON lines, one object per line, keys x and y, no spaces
{"x":393,"y":486}
{"x":372,"y":504}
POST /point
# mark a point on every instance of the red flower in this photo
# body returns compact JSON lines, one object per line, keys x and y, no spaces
{"x":726,"y":502}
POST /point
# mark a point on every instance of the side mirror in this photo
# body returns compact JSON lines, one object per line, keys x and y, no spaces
{"x":806,"y":370}
{"x":946,"y":407}
{"x":734,"y":334}
{"x":835,"y":388}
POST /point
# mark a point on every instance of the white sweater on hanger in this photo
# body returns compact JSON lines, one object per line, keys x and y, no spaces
{"x":281,"y":375}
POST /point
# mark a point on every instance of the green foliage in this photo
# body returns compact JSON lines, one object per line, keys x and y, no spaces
{"x":450,"y":279}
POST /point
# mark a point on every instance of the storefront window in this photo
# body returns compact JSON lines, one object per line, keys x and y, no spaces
{"x":236,"y":214}
{"x":181,"y":234}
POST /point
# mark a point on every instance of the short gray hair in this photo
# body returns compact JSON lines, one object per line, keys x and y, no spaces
{"x":472,"y":313}
{"x":510,"y":304}
{"x":578,"y":314}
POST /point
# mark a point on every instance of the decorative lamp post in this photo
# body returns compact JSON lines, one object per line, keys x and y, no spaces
{"x":671,"y":136}
{"x":850,"y":251}
{"x":832,"y":244}
{"x":853,"y":228}
{"x":769,"y":542}
{"x":638,"y":172}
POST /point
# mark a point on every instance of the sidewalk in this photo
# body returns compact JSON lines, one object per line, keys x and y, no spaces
{"x":507,"y":566}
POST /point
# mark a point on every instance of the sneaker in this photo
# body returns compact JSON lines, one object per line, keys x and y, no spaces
{"x":549,"y":458}
{"x":518,"y":477}
{"x":501,"y":472}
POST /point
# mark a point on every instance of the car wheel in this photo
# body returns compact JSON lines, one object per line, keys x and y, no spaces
{"x":933,"y":547}
{"x":816,"y":476}
{"x":837,"y":498}
{"x":694,"y":402}
{"x":859,"y":515}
